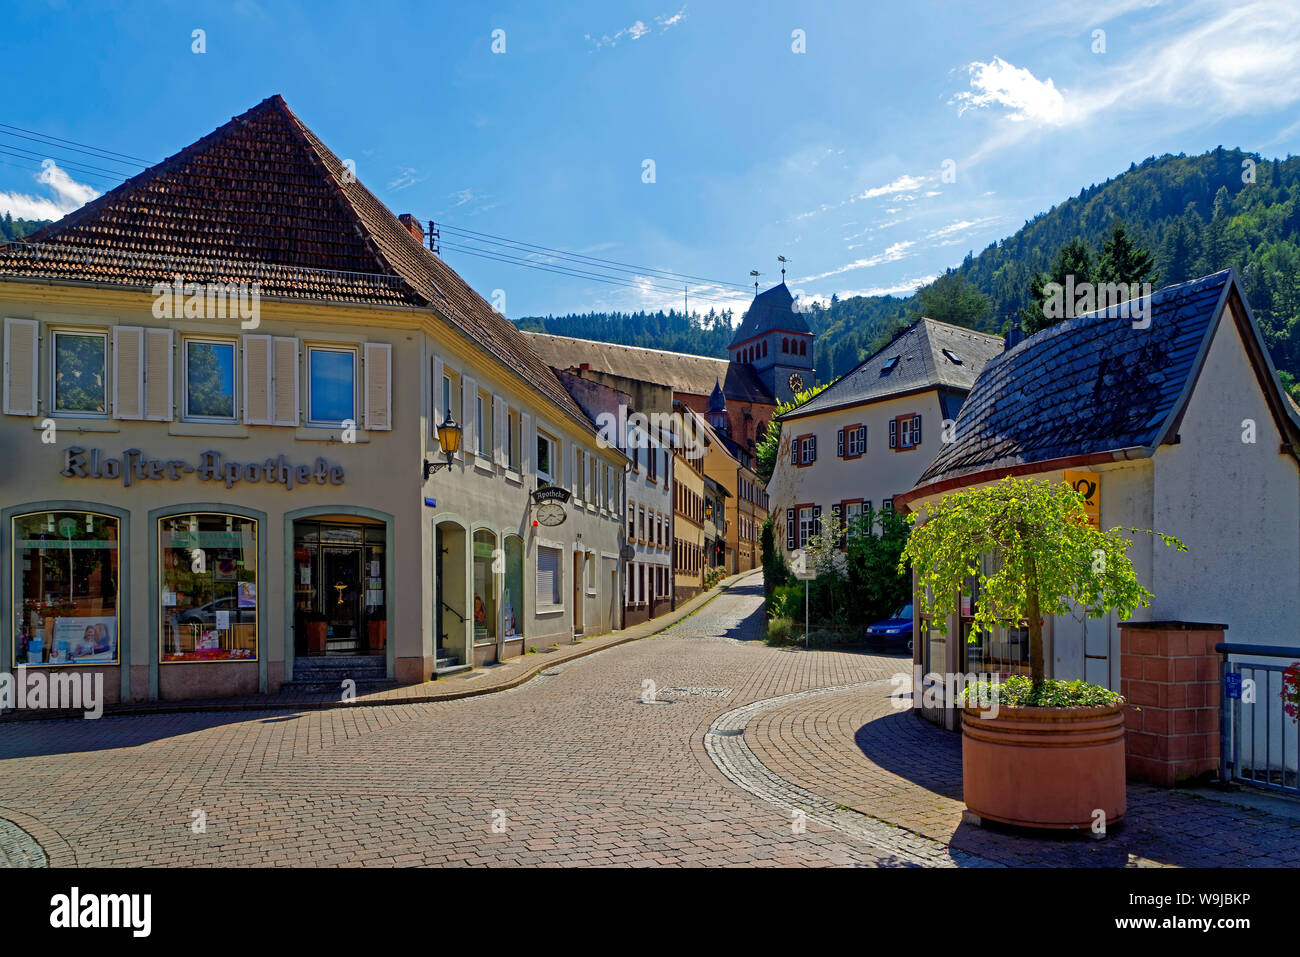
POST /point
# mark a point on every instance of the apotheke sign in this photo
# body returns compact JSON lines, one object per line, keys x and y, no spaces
{"x":134,"y":466}
{"x":551,"y":493}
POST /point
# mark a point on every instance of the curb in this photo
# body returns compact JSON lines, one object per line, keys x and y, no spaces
{"x":180,"y":707}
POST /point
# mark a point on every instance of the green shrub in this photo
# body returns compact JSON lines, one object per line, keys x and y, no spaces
{"x":780,"y":631}
{"x":1019,"y":691}
{"x":786,"y":601}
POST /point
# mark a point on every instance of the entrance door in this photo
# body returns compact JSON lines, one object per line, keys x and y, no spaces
{"x":341,"y":583}
{"x":579,"y":565}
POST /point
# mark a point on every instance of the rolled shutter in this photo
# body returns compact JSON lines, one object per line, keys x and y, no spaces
{"x":548,"y":576}
{"x":916,"y":430}
{"x":257,"y":380}
{"x":379,"y":386}
{"x":21,"y":369}
{"x":527,"y":445}
{"x":128,"y":372}
{"x":158,"y":390}
{"x":789,"y":529}
{"x":499,"y":413}
{"x":893,"y":433}
{"x":469,"y":413}
{"x":435,"y":409}
{"x":839,"y":443}
{"x":284,"y":376}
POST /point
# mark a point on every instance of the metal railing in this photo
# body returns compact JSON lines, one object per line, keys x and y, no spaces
{"x":1259,"y":743}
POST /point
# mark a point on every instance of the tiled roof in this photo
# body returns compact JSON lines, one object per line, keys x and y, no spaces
{"x":687,"y":374}
{"x":1093,"y":384}
{"x":261,"y":199}
{"x":771,"y":309}
{"x":927,"y":354}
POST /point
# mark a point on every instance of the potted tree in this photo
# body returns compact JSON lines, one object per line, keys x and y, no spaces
{"x":1036,"y":752}
{"x":377,"y":627}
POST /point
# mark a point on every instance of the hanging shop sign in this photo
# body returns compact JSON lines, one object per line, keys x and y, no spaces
{"x":134,"y":466}
{"x":551,"y":493}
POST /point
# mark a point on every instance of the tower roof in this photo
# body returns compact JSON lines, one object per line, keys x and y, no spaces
{"x":771,"y":309}
{"x":717,"y":401}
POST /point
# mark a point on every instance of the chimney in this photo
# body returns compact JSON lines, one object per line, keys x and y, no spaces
{"x":412,"y":226}
{"x":1015,"y":335}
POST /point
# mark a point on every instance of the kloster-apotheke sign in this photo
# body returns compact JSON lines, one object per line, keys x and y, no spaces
{"x":134,"y":466}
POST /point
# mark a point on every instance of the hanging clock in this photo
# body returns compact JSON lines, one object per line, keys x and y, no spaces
{"x":549,"y":513}
{"x":796,"y":382}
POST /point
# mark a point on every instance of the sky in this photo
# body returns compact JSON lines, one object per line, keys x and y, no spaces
{"x":871,"y":144}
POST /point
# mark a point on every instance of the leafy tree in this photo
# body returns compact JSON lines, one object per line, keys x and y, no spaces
{"x":953,"y":299}
{"x":874,"y":546}
{"x":775,"y":571}
{"x":769,"y":443}
{"x":1045,"y":556}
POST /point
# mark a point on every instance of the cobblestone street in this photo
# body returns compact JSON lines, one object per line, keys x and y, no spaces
{"x":572,"y":768}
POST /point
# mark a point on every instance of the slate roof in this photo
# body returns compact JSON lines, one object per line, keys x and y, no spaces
{"x":921,"y":363}
{"x":262,"y":199}
{"x":771,"y":309}
{"x":683,"y":373}
{"x":1089,"y":385}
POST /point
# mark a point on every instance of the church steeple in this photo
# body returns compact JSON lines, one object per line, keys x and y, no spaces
{"x":777,"y":341}
{"x":717,"y":414}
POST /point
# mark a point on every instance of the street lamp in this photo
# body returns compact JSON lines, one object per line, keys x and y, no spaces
{"x":449,"y":439}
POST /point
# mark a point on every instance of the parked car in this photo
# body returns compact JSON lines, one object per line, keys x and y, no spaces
{"x":895,"y":630}
{"x":207,"y":614}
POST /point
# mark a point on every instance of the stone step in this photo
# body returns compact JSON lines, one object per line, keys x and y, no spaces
{"x":318,"y":686}
{"x":450,"y":670}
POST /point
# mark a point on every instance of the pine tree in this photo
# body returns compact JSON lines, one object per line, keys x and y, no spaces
{"x":1123,"y":261}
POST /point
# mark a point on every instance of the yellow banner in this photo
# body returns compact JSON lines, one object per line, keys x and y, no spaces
{"x":1088,"y":484}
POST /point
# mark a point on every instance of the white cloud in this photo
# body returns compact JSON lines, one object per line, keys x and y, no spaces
{"x":1024,"y":95}
{"x":904,"y":184}
{"x":637,"y":30}
{"x":462,"y":196}
{"x":904,"y":287}
{"x":405,"y":179}
{"x":894,"y":253}
{"x":68,"y":195}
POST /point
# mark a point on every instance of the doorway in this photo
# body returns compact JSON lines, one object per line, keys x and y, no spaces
{"x":579,"y":566}
{"x":340,"y":588}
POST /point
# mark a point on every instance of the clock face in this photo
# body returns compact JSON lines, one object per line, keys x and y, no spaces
{"x":796,"y":382}
{"x":548,"y":513}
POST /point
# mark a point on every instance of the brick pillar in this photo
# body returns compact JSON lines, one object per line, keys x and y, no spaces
{"x":1169,"y":670}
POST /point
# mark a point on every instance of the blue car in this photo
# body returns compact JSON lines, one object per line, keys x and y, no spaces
{"x":897,"y":629}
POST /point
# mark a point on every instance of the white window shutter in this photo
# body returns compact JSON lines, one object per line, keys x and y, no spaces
{"x":128,"y":372}
{"x":469,"y":412}
{"x":284,"y":391}
{"x":257,"y":380}
{"x":499,"y":413}
{"x":21,"y":368}
{"x":439,"y":413}
{"x":527,"y":445}
{"x":379,"y":386}
{"x":159,"y":394}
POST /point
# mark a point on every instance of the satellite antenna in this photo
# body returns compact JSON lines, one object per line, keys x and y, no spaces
{"x":782,"y":260}
{"x":755,"y":274}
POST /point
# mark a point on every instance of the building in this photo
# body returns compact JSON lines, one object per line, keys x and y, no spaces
{"x":732,"y":467}
{"x":867,"y":438}
{"x":689,"y":557}
{"x":717,"y":553}
{"x":224,"y":384}
{"x":771,"y":358}
{"x":1173,"y":421}
{"x":646,"y":440}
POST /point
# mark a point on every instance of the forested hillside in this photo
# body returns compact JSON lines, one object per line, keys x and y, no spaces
{"x":11,"y":228}
{"x":1194,"y":214}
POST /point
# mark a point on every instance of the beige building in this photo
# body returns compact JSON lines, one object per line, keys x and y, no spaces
{"x":223,"y":387}
{"x":870,"y":435}
{"x":689,"y":558}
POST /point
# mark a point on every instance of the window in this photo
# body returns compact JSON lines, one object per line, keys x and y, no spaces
{"x":807,"y":524}
{"x":905,"y":432}
{"x":209,"y":380}
{"x":888,"y":367}
{"x":803,"y":347}
{"x":952,"y":357}
{"x":549,"y":596}
{"x":591,"y":573}
{"x":207,"y":575}
{"x":512,"y":440}
{"x":857,"y":441}
{"x":332,"y":385}
{"x":547,"y":461}
{"x":631,"y":524}
{"x":852,"y":512}
{"x":80,"y":373}
{"x":447,"y":394}
{"x":65,"y":591}
{"x":785,"y":344}
{"x":580,"y":477}
{"x":804,"y":450}
{"x":483,"y":423}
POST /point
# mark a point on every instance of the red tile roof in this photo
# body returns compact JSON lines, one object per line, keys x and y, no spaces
{"x":262,"y":199}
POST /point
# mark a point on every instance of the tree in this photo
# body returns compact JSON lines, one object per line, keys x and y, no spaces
{"x":877,"y":586}
{"x":769,"y":443}
{"x":951,"y":298}
{"x":1074,"y":259}
{"x":1044,"y":554}
{"x":1123,"y":261}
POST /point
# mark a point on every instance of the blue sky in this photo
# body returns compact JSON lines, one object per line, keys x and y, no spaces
{"x":834,"y":157}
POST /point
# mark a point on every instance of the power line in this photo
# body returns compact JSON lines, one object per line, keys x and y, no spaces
{"x":664,"y":273}
{"x":66,"y":164}
{"x":40,"y":169}
{"x":59,"y":139}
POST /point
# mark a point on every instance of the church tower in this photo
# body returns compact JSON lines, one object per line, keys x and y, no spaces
{"x":778,"y":342}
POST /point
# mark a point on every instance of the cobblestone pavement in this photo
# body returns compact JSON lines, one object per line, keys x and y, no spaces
{"x":570,"y":768}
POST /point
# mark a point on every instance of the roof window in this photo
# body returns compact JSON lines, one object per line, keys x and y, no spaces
{"x":888,"y":367}
{"x":952,"y":357}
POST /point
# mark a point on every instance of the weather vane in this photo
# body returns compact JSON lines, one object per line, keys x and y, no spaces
{"x":782,"y":260}
{"x":754,"y":273}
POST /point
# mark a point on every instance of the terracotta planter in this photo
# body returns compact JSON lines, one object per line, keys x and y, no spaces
{"x":316,"y":631}
{"x":378,"y":634}
{"x":1044,"y":767}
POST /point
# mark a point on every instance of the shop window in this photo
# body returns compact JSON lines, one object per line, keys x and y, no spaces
{"x":512,"y":593}
{"x":332,"y":385}
{"x":65,"y":573}
{"x":80,"y":373}
{"x":208,"y":582}
{"x":209,"y":380}
{"x":485,"y":598}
